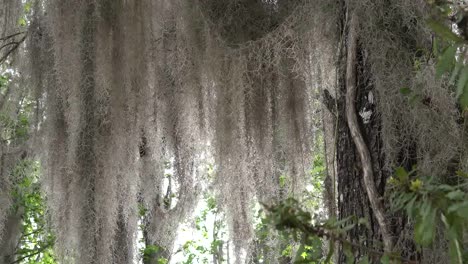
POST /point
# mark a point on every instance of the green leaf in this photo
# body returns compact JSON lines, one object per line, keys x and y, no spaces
{"x":405,"y":91}
{"x":424,"y":229}
{"x":22,"y":22}
{"x":445,"y":187}
{"x":455,"y":251}
{"x":463,"y":99}
{"x":402,"y":174}
{"x":163,"y":261}
{"x":282,"y":181}
{"x":455,"y":195}
{"x":444,"y":32}
{"x":462,"y":81}
{"x":435,"y":47}
{"x":416,"y":185}
{"x":287,"y":252}
{"x":460,"y":209}
{"x":410,"y":206}
{"x":446,"y":61}
{"x":27,"y":6}
{"x":456,"y":71}
{"x":461,"y":174}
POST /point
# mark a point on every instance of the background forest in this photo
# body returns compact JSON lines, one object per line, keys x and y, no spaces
{"x":233,"y":131}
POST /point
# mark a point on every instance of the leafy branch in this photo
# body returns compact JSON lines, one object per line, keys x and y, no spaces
{"x":451,"y":48}
{"x":34,"y":253}
{"x":289,"y":217}
{"x":428,"y":202}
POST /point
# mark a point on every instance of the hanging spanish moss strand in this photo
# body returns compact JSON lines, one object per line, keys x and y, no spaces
{"x":102,"y":82}
{"x":178,"y":91}
{"x":263,"y":122}
{"x":117,"y":112}
{"x":100,"y":162}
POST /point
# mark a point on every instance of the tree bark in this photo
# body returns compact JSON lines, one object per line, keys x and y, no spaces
{"x":352,"y":192}
{"x":358,"y":139}
{"x":11,"y":237}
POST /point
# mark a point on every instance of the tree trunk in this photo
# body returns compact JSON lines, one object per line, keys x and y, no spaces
{"x":11,"y":236}
{"x":352,"y":196}
{"x":353,"y":199}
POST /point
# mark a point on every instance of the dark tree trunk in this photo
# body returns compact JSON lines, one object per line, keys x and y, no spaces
{"x":352,"y":196}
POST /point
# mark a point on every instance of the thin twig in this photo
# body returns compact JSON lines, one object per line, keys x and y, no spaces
{"x":8,"y":44}
{"x":39,"y":251}
{"x":16,"y":45}
{"x":12,"y":35}
{"x":322,"y":233}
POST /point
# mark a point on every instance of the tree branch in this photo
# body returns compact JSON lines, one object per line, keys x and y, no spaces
{"x":39,"y":251}
{"x":362,"y":149}
{"x":16,"y":45}
{"x":12,"y":35}
{"x":322,"y":233}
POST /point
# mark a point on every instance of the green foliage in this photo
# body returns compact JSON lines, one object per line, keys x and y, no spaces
{"x":14,"y":128}
{"x":150,"y":251}
{"x":295,"y":223}
{"x":310,"y":250}
{"x":289,"y":218}
{"x":36,"y":242}
{"x":449,"y":61}
{"x":292,"y":245}
{"x":444,"y":32}
{"x":163,"y":261}
{"x":142,"y":210}
{"x":430,"y":203}
{"x":318,"y":168}
{"x":14,"y":119}
{"x":23,"y":20}
{"x":282,"y":181}
{"x":210,"y":231}
{"x":446,"y":61}
{"x":405,"y":91}
{"x":288,"y":215}
{"x":312,"y":199}
{"x":287,"y":252}
{"x":463,"y":80}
